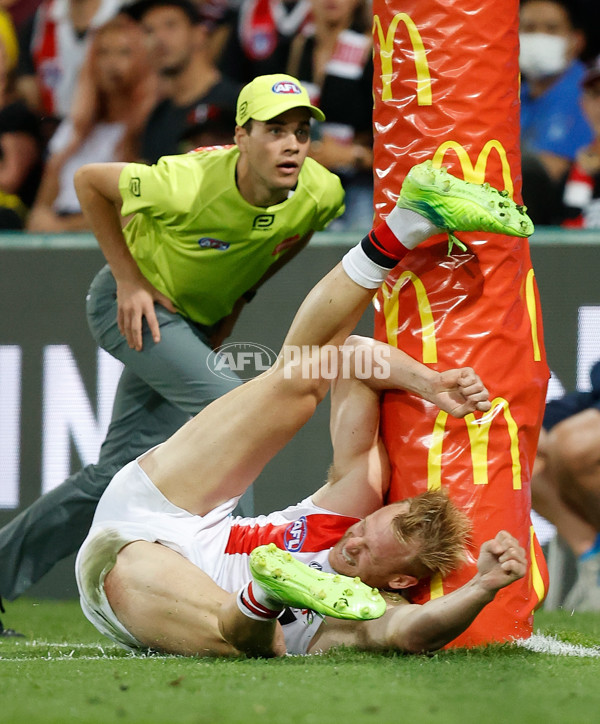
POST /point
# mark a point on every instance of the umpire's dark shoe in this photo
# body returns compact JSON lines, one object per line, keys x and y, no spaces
{"x":8,"y":632}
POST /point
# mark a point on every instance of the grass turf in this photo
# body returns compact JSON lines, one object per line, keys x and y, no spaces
{"x":63,"y":671}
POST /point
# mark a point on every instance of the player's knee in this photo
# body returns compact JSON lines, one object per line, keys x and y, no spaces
{"x":305,"y":373}
{"x":311,"y":389}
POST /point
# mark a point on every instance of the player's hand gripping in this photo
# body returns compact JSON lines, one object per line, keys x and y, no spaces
{"x":501,"y":562}
{"x":460,"y":391}
{"x":135,"y":300}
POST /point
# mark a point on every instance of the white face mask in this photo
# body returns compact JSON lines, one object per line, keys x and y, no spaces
{"x":542,"y":55}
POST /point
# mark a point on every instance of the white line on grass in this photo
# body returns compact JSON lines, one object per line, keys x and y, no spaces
{"x":64,"y":657}
{"x":551,"y":645}
{"x":73,"y":647}
{"x":78,"y":645}
{"x":537,"y":643}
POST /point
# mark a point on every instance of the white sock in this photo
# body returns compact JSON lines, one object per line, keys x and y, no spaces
{"x":362,"y":270}
{"x":255,"y":603}
{"x":409,"y":227}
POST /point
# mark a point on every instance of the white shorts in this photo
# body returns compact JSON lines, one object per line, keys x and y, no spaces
{"x":132,"y":508}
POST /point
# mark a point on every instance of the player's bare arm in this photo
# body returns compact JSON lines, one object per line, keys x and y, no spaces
{"x":359,"y":477}
{"x":97,"y":187}
{"x":456,"y":391}
{"x":417,"y":628}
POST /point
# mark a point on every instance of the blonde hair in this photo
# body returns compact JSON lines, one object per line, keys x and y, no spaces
{"x":437,"y":530}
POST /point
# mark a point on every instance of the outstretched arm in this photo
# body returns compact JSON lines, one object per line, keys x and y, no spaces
{"x":359,"y":477}
{"x":381,"y":367}
{"x":415,"y":628}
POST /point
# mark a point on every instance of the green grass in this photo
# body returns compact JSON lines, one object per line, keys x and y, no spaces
{"x":64,"y":672}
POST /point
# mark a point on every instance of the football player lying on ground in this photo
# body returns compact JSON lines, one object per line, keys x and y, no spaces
{"x":167,"y":567}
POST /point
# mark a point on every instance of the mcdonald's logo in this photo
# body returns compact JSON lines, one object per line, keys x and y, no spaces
{"x":429,"y":341}
{"x":390,"y":312}
{"x":479,"y":435}
{"x":537,"y":580}
{"x":386,"y":55}
{"x":476,"y":172}
{"x":532,"y":312}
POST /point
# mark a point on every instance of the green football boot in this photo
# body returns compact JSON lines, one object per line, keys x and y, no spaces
{"x":295,"y":584}
{"x":456,"y":205}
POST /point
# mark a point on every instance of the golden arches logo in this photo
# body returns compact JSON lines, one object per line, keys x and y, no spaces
{"x":390,"y":312}
{"x":386,"y":55}
{"x":532,"y":312}
{"x":537,"y":580}
{"x":479,"y":435}
{"x":476,"y":173}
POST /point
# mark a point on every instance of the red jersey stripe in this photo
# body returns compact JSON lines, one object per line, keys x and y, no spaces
{"x":310,"y":533}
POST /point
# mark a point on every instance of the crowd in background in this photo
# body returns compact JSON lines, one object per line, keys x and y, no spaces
{"x":111,"y":80}
{"x":560,"y":122}
{"x":100,"y":80}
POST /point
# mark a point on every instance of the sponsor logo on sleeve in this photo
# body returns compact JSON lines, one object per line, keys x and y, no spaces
{"x":285,"y":244}
{"x":206,"y":242}
{"x":134,"y":186}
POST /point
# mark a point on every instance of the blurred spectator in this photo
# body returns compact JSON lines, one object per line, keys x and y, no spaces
{"x":260,"y":37}
{"x":333,"y":59}
{"x":21,"y":146}
{"x":116,"y":91}
{"x":52,"y":48}
{"x":589,"y":11}
{"x":565,"y":485}
{"x":216,"y":15}
{"x":582,"y":189}
{"x":541,"y":194}
{"x":553,"y":126}
{"x":20,"y":11}
{"x":200,"y":101}
{"x":8,"y":37}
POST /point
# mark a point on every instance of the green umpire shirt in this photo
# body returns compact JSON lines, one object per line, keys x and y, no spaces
{"x":199,"y":242}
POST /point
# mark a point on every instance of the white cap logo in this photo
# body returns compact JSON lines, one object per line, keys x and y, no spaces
{"x":285,"y":86}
